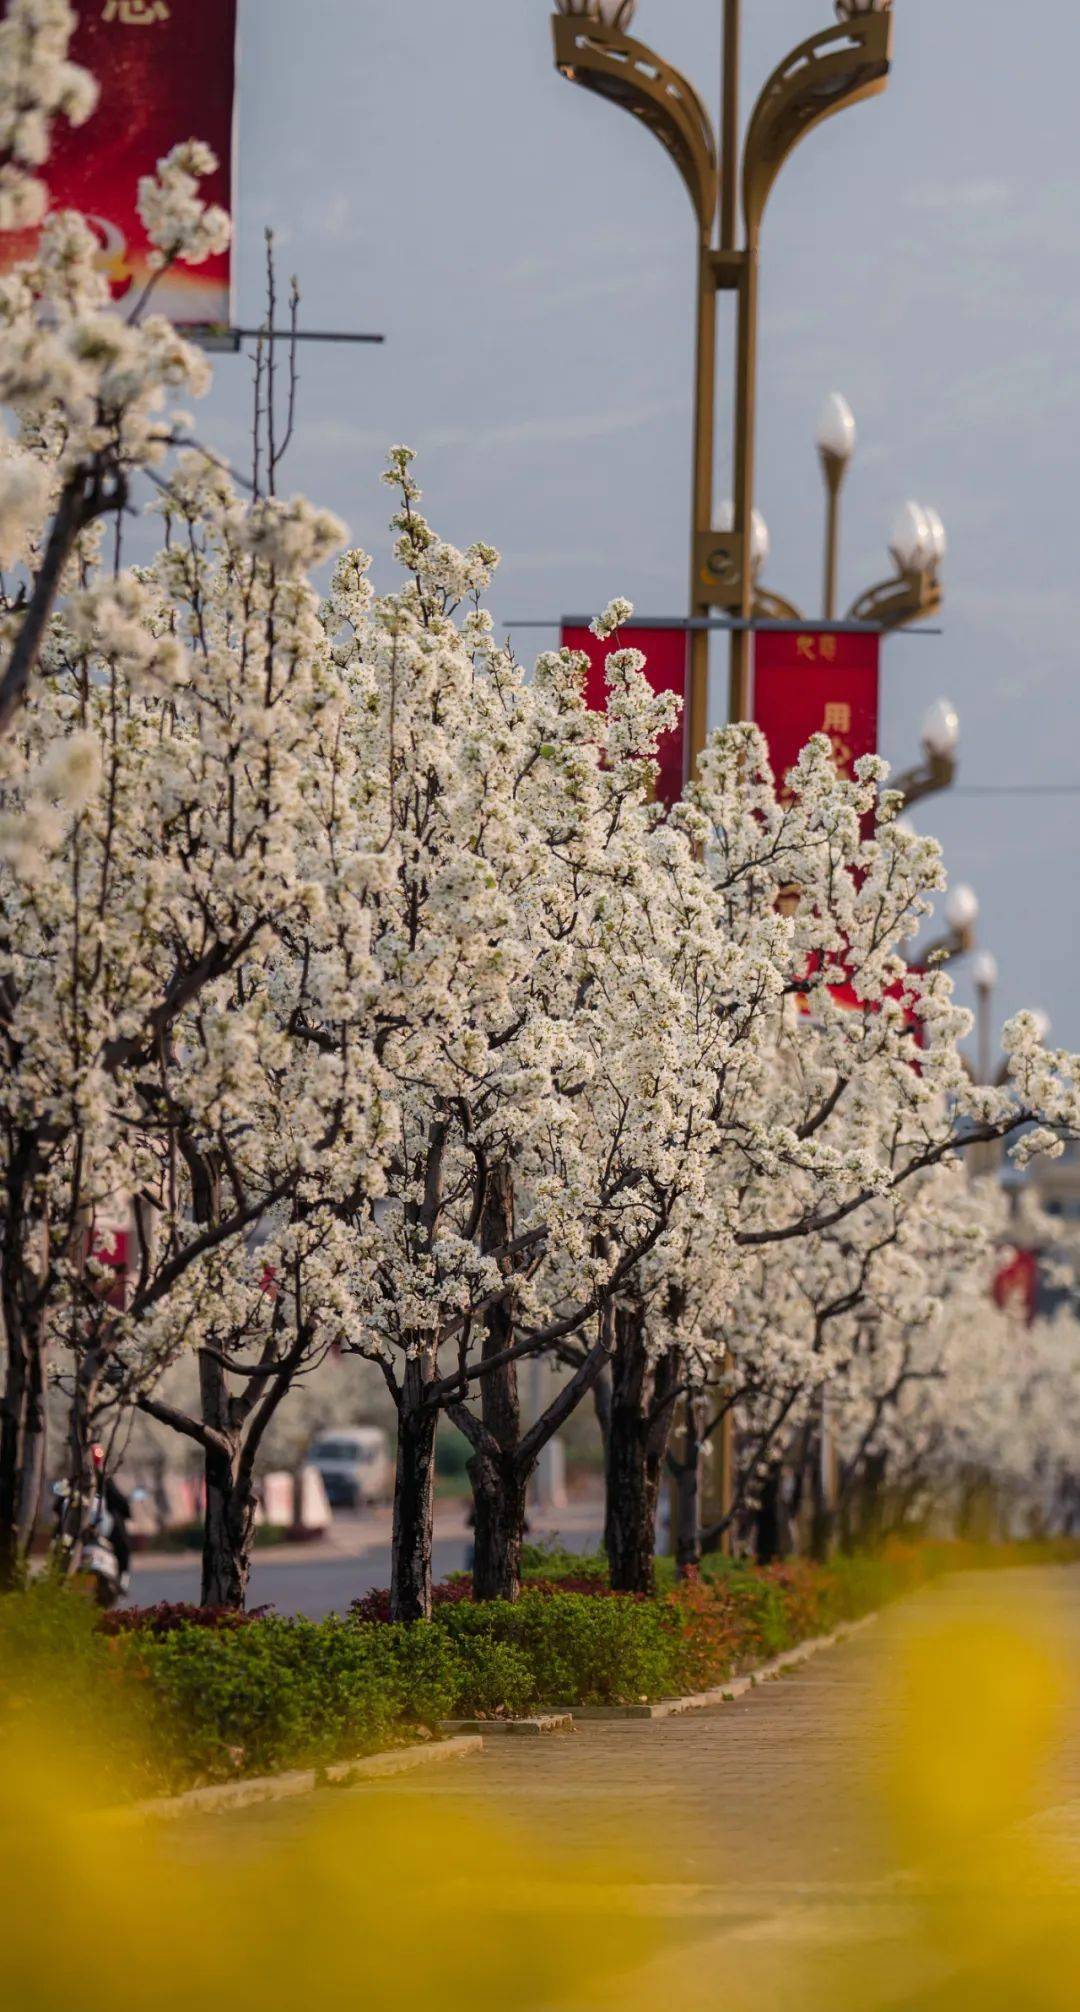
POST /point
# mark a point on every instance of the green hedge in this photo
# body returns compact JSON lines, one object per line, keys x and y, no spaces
{"x":174,"y":1701}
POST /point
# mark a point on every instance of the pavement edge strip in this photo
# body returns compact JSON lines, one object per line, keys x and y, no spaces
{"x":531,"y":1728}
{"x":298,"y":1781}
{"x":735,"y":1687}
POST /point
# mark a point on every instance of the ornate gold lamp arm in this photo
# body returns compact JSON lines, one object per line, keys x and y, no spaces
{"x":907,"y":597}
{"x":770,"y":607}
{"x":829,"y":71}
{"x":936,"y":772}
{"x":961,"y":916}
{"x":939,"y":765}
{"x":945,"y":949}
{"x":630,"y":74}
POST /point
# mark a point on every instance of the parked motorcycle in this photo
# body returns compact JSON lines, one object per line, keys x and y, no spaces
{"x":99,"y":1567}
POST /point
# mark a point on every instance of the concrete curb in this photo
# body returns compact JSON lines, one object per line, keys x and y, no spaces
{"x":299,"y":1781}
{"x":531,"y":1728}
{"x":735,"y":1687}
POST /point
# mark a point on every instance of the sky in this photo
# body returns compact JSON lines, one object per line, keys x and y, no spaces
{"x":528,"y":252}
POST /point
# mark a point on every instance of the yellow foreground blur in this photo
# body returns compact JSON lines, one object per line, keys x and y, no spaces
{"x":444,"y":1902}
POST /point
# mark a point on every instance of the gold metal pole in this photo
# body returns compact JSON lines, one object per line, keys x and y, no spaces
{"x":702,"y":501}
{"x":834,"y":468}
{"x":984,"y":996}
{"x":729,"y":147}
{"x":745,"y":422}
{"x":724,"y":1437}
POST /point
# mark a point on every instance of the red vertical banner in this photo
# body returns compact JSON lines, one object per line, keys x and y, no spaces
{"x":166,"y":72}
{"x":109,"y":1244}
{"x":666,"y":653}
{"x":816,"y":681}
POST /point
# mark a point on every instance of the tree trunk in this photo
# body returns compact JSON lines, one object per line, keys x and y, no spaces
{"x":602,"y":1408}
{"x":34,"y":1449}
{"x":228,"y":1529}
{"x":22,"y":1433}
{"x":688,"y":1496}
{"x":869,"y":1516}
{"x":499,"y":1491}
{"x":820,"y":1456}
{"x":12,"y":1424}
{"x":499,"y":1477}
{"x":83,"y":1481}
{"x":769,"y":1542}
{"x":641,"y":1412}
{"x":414,"y":1500}
{"x":822,"y":1509}
{"x":229,"y":1515}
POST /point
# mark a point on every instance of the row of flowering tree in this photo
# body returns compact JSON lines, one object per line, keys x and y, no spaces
{"x":357,"y":971}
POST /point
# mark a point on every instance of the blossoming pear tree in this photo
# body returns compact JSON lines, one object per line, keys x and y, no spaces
{"x":169,"y":830}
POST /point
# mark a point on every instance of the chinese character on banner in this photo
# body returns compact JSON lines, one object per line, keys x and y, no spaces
{"x":816,"y":682}
{"x":173,"y":83}
{"x":136,"y":13}
{"x":666,"y":652}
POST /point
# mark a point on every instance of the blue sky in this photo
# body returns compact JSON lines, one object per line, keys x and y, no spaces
{"x":529,"y":254}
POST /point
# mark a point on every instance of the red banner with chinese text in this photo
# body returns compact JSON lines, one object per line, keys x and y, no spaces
{"x":665,"y":652}
{"x":1016,"y":1286}
{"x":166,"y":72}
{"x":816,"y":681}
{"x":110,"y":1244}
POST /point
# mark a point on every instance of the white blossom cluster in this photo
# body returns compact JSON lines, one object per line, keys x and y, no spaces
{"x":38,"y":84}
{"x":178,"y":223}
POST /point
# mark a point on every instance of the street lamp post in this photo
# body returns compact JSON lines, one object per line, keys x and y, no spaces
{"x":837,"y":67}
{"x":917,"y":546}
{"x":836,"y":444}
{"x":984,"y":972}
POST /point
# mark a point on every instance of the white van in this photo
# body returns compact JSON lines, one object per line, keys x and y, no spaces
{"x":355,"y":1464}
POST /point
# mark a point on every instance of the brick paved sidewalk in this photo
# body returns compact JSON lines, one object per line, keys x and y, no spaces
{"x":754,"y":1831}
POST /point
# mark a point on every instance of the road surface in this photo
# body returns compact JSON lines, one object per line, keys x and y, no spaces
{"x":328,"y":1577}
{"x":313,"y":1586}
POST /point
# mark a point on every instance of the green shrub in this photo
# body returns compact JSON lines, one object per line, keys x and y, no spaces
{"x":497,"y":1680}
{"x":290,"y":1693}
{"x":550,"y":1560}
{"x":578,"y":1649}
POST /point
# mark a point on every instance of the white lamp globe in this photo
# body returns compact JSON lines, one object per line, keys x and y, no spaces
{"x":941,"y":728}
{"x":962,"y":908}
{"x":984,"y":971}
{"x":939,"y":543}
{"x":612,"y":13}
{"x":760,"y":541}
{"x":912,"y":539}
{"x":837,"y":433}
